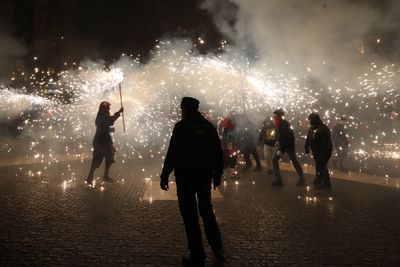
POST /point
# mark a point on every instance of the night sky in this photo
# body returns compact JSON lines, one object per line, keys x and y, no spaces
{"x":136,"y":25}
{"x":133,"y":26}
{"x":105,"y":29}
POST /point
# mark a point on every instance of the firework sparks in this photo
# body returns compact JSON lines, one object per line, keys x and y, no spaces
{"x":152,"y":93}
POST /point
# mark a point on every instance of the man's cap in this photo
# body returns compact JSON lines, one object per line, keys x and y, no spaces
{"x":190,"y":103}
{"x":279,"y":112}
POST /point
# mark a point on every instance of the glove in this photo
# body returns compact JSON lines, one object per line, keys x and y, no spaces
{"x":216,"y":181}
{"x":164,"y":183}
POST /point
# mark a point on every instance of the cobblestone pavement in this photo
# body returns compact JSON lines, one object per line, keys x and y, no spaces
{"x":49,"y":217}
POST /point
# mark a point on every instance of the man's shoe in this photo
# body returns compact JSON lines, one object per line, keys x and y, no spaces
{"x":195,"y":262}
{"x":277,"y":183}
{"x":108,"y":179}
{"x":301,"y":182}
{"x":89,"y":180}
{"x":219,"y":255}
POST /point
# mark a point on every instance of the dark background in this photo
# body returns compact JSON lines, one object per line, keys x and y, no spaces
{"x":69,"y":30}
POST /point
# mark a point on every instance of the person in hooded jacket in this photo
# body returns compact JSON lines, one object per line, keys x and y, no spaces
{"x":286,"y":144}
{"x":319,"y":141}
{"x":103,"y":147}
{"x":195,"y":156}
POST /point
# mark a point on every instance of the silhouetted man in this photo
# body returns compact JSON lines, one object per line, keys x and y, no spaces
{"x":285,"y":137}
{"x":319,"y":140}
{"x":195,"y":155}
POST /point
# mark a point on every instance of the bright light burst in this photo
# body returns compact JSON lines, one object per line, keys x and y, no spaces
{"x":151,"y":95}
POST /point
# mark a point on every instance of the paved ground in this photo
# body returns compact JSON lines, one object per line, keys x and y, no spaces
{"x":49,"y":217}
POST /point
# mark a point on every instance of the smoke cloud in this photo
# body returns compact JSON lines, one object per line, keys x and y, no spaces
{"x":323,"y":36}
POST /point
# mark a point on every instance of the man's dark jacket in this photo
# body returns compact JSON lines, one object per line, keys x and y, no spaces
{"x":194,"y":150}
{"x":319,"y":139}
{"x":285,"y":136}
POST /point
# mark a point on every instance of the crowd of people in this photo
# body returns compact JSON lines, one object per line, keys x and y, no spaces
{"x":239,"y":136}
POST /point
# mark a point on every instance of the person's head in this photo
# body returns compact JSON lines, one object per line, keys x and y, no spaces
{"x":314,"y":118}
{"x":278,"y":116}
{"x":104,"y":107}
{"x":268,"y":123}
{"x":279,"y":113}
{"x":189,"y":105}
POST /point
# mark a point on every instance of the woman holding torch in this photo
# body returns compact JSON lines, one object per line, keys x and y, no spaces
{"x":103,"y":147}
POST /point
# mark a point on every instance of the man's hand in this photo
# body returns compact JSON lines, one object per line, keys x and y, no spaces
{"x":164,"y":183}
{"x":279,"y":153}
{"x":121,"y":110}
{"x":216,"y":181}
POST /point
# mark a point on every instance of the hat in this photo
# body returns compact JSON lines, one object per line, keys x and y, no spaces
{"x":190,"y":103}
{"x":279,"y":112}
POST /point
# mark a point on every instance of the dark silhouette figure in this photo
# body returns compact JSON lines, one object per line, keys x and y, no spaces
{"x":248,"y":142}
{"x":103,"y":147}
{"x":341,"y":143}
{"x":195,"y":155}
{"x":319,"y":141}
{"x":285,"y":137}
